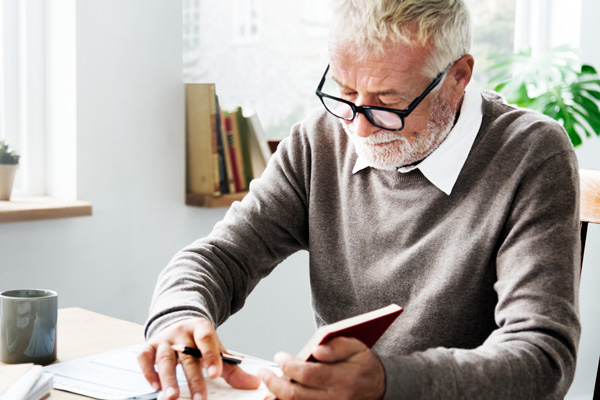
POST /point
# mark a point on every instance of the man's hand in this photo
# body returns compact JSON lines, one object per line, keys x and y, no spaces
{"x":347,"y":369}
{"x":193,"y":332}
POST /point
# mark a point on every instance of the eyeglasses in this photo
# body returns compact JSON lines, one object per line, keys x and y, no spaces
{"x":386,"y":118}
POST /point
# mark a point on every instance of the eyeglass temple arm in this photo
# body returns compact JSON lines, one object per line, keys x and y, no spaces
{"x":323,"y":79}
{"x":435,"y":82}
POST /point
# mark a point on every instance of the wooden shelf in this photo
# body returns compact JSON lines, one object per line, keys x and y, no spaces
{"x":210,"y":201}
{"x":33,"y":208}
{"x":207,"y":200}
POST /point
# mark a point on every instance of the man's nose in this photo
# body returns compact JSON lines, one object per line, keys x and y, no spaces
{"x":362,"y":127}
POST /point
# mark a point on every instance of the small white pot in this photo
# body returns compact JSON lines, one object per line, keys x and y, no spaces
{"x":7,"y":178}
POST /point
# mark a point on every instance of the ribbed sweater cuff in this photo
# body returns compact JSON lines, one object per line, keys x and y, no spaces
{"x":157,"y":324}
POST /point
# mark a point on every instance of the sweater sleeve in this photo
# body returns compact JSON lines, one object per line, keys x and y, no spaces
{"x":213,"y":276}
{"x":531,"y":354}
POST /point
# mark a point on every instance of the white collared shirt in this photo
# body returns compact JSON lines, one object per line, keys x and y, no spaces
{"x":443,"y":166}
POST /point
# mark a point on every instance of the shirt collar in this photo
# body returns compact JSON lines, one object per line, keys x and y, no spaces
{"x":443,"y":166}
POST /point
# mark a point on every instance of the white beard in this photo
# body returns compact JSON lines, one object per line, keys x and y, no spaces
{"x":390,"y":150}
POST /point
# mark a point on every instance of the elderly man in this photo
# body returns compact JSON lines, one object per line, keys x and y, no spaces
{"x":410,"y":187}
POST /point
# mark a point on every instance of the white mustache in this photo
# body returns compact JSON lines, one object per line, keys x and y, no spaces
{"x":380,"y":138}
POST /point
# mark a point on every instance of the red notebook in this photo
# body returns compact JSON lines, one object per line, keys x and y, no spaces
{"x":367,"y":328}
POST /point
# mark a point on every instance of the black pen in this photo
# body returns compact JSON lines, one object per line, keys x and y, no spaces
{"x":194,"y":352}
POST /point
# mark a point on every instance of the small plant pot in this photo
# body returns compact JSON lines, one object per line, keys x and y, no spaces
{"x":7,"y":178}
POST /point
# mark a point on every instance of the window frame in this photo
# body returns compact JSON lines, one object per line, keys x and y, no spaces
{"x":541,"y":25}
{"x":22,"y":90}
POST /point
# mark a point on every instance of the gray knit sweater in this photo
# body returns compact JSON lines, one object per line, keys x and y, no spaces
{"x":488,"y":275}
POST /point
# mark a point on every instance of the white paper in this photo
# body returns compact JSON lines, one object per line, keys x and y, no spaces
{"x":218,"y":389}
{"x":116,"y":375}
{"x":111,"y":375}
{"x":31,"y":386}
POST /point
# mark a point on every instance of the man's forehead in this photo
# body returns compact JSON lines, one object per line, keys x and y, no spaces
{"x":394,"y":60}
{"x":376,"y":76}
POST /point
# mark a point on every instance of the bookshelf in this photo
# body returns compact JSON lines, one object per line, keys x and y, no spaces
{"x":210,"y":201}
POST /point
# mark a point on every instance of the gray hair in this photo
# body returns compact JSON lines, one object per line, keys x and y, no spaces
{"x":443,"y":24}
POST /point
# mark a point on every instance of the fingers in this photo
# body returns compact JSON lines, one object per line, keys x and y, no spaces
{"x":283,"y":388}
{"x":207,"y":341}
{"x":316,"y":375}
{"x":339,"y":349}
{"x":348,"y":369}
{"x":239,"y":379}
{"x":166,"y":361}
{"x":205,"y":337}
{"x":158,"y":360}
{"x":146,"y":361}
{"x":192,"y":369}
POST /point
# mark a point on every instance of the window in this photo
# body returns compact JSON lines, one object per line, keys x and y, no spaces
{"x":245,"y":21}
{"x":269,"y":55}
{"x":542,"y":25}
{"x":22,"y":89}
{"x":504,"y":26}
{"x":265,"y":55}
{"x":494,"y":33}
{"x":191,"y":21}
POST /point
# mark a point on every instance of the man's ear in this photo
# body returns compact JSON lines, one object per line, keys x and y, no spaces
{"x":460,"y":75}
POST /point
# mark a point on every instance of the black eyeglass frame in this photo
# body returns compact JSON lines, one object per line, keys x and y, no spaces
{"x":366,"y":110}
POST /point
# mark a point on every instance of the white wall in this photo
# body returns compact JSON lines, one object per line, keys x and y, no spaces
{"x":130,"y":165}
{"x":116,"y":82}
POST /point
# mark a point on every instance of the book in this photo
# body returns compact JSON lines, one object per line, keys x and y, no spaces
{"x":25,"y":381}
{"x":202,"y":157}
{"x":257,"y":142}
{"x":242,"y":127}
{"x":226,"y":154}
{"x":233,"y":153}
{"x":367,"y":328}
{"x":224,"y":183}
{"x":237,"y":144}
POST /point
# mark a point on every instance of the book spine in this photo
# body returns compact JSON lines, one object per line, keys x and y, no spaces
{"x":216,"y":179}
{"x":258,"y":161}
{"x":233,"y":154}
{"x":245,"y":146}
{"x":201,"y":166}
{"x":239,"y":156}
{"x":255,"y":128}
{"x":226,"y":154}
{"x":223,"y":179}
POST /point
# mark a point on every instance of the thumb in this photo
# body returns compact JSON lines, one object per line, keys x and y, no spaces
{"x":339,"y":349}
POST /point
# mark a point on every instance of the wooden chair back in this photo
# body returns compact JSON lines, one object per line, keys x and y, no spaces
{"x":590,"y":213}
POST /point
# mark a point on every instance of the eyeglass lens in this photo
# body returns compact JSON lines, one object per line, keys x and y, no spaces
{"x":385,"y":119}
{"x":338,"y":108}
{"x":380,"y":118}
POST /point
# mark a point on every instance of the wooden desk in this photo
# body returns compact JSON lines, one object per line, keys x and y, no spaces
{"x":81,"y":333}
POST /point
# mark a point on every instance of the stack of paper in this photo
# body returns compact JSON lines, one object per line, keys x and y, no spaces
{"x":25,"y":382}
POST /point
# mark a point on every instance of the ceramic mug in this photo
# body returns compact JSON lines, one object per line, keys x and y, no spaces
{"x":28,"y":326}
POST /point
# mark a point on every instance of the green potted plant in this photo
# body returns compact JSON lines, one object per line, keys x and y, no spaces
{"x":555,"y":83}
{"x":9,"y":162}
